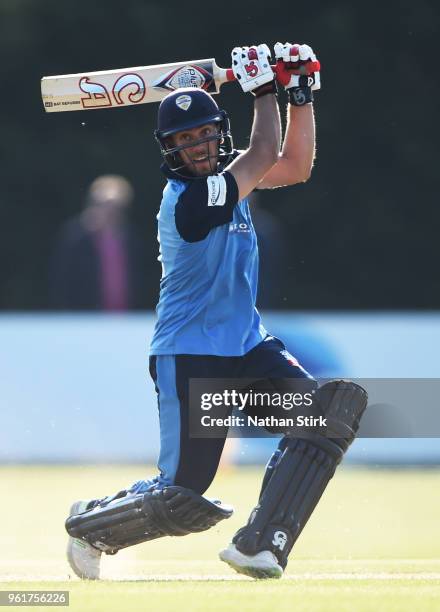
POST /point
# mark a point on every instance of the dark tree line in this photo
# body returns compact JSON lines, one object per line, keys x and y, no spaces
{"x":362,"y":233}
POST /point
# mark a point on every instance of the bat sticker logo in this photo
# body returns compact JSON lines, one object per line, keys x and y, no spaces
{"x":129,"y":88}
{"x":97,"y":95}
{"x":186,"y":76}
{"x":184,"y":102}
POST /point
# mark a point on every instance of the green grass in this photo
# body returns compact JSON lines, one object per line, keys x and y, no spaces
{"x":372,"y":544}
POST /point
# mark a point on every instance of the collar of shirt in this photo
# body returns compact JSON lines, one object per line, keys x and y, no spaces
{"x":173,"y":175}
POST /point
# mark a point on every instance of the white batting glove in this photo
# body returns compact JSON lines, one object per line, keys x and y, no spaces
{"x":252,"y":69}
{"x":298,"y":70}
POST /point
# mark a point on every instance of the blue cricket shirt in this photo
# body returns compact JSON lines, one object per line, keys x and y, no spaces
{"x":209,"y":255}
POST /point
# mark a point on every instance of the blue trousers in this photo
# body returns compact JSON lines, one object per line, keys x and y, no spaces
{"x":192,"y":462}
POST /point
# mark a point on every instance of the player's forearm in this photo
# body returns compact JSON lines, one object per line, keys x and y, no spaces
{"x":265,"y":138}
{"x":299,"y":142}
{"x":251,"y":66}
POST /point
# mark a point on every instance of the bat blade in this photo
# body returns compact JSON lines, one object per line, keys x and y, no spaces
{"x":126,"y":87}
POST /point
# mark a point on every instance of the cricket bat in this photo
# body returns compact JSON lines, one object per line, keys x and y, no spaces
{"x":125,"y":87}
{"x":129,"y":86}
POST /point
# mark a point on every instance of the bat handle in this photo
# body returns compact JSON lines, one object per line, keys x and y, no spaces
{"x":226,"y":75}
{"x":230,"y":76}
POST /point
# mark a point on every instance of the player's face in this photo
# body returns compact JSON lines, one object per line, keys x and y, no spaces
{"x":201,"y":158}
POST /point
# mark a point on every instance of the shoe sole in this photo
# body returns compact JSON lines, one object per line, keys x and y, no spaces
{"x":260,"y":573}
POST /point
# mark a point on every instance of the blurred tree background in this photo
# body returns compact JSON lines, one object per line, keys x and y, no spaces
{"x":361,"y":234}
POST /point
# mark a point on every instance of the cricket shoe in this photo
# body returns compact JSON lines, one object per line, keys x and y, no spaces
{"x":83,"y":558}
{"x":262,"y":565}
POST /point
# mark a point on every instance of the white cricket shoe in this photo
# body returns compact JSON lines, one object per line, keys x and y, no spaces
{"x":262,"y":565}
{"x":83,"y":558}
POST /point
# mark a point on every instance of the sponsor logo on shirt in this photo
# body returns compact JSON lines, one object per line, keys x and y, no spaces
{"x":239,"y":228}
{"x":216,"y":190}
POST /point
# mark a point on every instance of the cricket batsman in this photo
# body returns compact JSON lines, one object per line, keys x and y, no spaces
{"x":208,"y":327}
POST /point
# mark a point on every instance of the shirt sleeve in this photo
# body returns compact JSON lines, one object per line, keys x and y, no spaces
{"x":206,"y":203}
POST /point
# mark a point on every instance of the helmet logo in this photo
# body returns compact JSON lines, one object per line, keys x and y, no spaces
{"x":183,"y":102}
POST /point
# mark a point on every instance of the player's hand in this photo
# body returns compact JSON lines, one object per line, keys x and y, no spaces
{"x":298,"y":70}
{"x":252,"y":69}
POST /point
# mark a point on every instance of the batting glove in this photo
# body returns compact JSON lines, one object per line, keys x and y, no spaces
{"x":298,"y":70}
{"x":252,"y":69}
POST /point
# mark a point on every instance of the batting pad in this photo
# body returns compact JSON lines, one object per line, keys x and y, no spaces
{"x":173,"y":511}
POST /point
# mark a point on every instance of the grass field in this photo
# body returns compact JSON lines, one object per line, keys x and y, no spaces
{"x":372,"y":544}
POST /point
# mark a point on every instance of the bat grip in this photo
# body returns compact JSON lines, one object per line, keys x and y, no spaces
{"x":305,"y":69}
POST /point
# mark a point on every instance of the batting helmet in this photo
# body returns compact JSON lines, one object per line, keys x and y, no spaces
{"x":184,"y":109}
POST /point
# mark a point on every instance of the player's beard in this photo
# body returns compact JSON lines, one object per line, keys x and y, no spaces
{"x":203,"y":167}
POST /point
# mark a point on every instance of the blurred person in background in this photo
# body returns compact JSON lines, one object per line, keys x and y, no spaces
{"x":97,"y":260}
